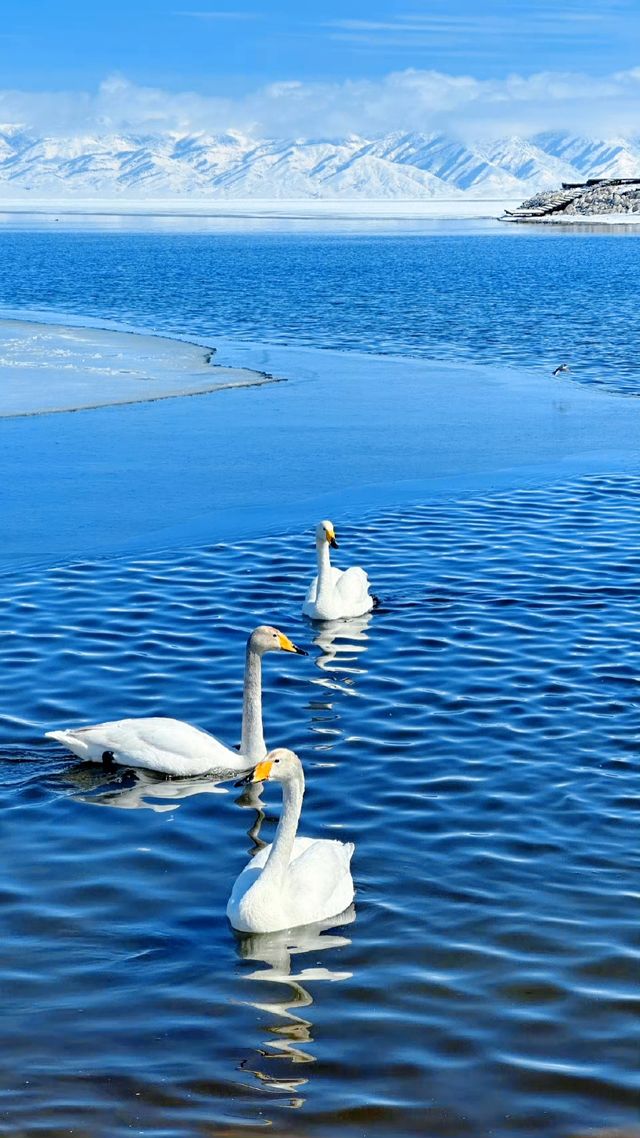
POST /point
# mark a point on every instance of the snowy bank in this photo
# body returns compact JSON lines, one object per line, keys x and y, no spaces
{"x":608,"y":200}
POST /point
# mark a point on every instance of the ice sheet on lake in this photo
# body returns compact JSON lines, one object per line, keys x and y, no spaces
{"x":303,"y":208}
{"x":52,"y":367}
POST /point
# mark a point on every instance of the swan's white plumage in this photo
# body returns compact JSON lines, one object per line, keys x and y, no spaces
{"x":312,"y":880}
{"x":335,"y":593}
{"x":312,"y":591}
{"x":172,"y":747}
{"x":168,"y":746}
{"x":318,"y":885}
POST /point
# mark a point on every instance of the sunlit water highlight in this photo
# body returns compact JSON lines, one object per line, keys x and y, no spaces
{"x":477,"y":737}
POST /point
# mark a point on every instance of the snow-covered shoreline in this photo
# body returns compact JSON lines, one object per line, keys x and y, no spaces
{"x":612,"y":201}
{"x":578,"y":219}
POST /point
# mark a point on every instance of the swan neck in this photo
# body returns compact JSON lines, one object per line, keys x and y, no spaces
{"x":324,"y":571}
{"x":252,"y":745}
{"x":280,"y":856}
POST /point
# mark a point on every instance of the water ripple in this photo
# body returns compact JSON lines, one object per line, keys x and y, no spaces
{"x":519,"y":298}
{"x":477,"y":737}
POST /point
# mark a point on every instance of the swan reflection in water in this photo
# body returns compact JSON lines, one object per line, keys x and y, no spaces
{"x":341,"y":643}
{"x":291,"y":1032}
{"x":126,"y":788}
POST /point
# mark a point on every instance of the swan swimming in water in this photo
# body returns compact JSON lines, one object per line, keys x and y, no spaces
{"x":335,"y":593}
{"x":295,"y":881}
{"x":176,"y":748}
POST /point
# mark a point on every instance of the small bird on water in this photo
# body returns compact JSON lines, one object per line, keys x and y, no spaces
{"x":560,"y":367}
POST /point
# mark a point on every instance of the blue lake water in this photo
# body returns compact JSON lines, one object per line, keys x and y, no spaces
{"x":512,"y":297}
{"x":477,"y":736}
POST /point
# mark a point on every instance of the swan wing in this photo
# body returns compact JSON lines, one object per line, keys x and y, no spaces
{"x":312,"y":592}
{"x":260,"y":858}
{"x":319,"y":882}
{"x":317,"y":885}
{"x":353,"y":591}
{"x":165,"y":745}
{"x":244,"y":882}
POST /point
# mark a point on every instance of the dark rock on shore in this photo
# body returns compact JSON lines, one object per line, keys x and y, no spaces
{"x":588,"y":200}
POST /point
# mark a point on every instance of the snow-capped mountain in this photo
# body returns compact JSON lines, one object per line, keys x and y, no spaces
{"x":233,"y":165}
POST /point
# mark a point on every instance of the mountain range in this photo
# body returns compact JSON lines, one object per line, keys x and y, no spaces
{"x":233,"y":165}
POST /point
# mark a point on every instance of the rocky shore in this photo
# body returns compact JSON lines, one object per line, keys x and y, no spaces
{"x":588,"y":200}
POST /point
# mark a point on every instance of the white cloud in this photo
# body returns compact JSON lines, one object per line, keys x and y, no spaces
{"x":404,"y":100}
{"x":475,"y":30}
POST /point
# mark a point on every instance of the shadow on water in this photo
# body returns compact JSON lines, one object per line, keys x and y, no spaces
{"x":290,"y":1033}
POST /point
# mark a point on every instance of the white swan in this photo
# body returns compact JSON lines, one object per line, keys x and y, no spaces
{"x":176,"y":748}
{"x":334,"y":593}
{"x":295,"y":881}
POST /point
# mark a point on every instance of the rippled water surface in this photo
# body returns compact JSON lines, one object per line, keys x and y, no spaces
{"x":521,"y":298}
{"x":477,"y":737}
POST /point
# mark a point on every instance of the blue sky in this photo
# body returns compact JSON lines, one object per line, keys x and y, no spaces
{"x":212,"y":61}
{"x":181,"y":44}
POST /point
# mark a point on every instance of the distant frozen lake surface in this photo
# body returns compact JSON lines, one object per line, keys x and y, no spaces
{"x":476,"y":736}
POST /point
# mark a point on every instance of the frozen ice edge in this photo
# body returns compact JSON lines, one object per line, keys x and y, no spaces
{"x":49,"y":367}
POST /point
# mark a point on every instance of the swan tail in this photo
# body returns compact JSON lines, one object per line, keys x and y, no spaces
{"x":72,"y":742}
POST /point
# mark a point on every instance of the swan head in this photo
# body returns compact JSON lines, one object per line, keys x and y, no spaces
{"x":268,"y":639}
{"x":280,"y":765}
{"x":325,"y":532}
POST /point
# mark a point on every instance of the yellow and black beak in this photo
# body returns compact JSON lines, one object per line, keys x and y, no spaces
{"x":288,"y":645}
{"x":258,"y":774}
{"x":262,"y":771}
{"x":331,"y":538}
